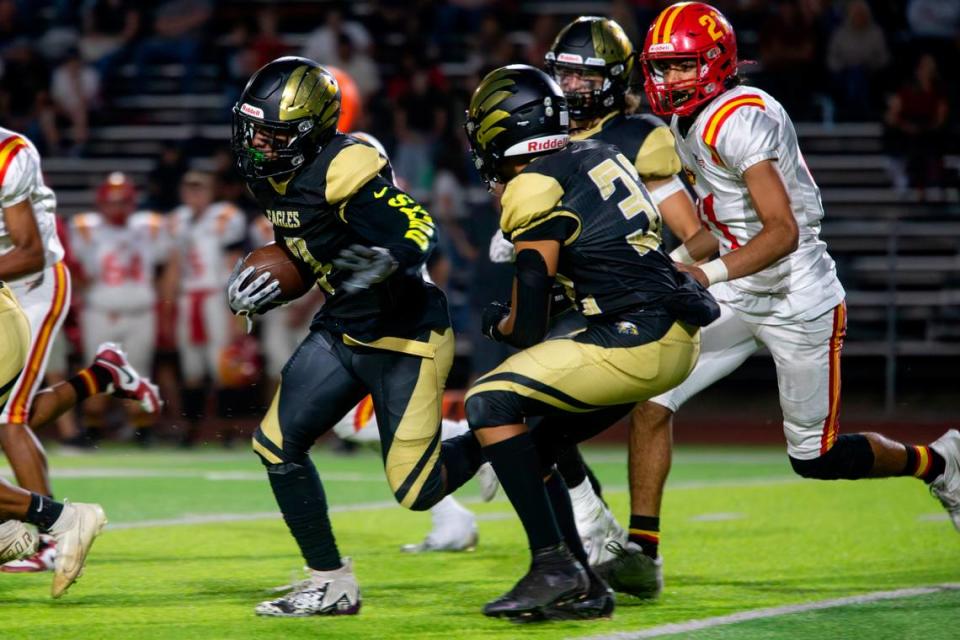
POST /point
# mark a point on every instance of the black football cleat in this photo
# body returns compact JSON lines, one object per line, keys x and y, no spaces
{"x":554,"y":581}
{"x":598,"y":602}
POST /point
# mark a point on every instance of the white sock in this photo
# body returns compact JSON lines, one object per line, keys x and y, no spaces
{"x":453,"y":428}
{"x":583,"y":493}
{"x":446,"y":506}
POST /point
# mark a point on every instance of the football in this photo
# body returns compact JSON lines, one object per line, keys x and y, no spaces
{"x":294,"y":276}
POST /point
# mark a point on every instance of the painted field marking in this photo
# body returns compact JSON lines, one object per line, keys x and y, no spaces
{"x":772,"y":612}
{"x":208,"y":518}
{"x":717,"y":517}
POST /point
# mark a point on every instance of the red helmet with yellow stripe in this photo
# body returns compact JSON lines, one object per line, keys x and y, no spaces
{"x":691,"y":33}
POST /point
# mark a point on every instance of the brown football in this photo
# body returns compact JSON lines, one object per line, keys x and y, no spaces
{"x":294,"y":276}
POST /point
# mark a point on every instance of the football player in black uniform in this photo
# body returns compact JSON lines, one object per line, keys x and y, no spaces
{"x":592,"y":60}
{"x":577,"y":213}
{"x":382,"y":331}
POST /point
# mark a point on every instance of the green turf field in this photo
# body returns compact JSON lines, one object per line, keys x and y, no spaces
{"x":740,"y":533}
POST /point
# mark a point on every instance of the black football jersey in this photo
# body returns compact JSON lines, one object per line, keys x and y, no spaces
{"x":346,"y":196}
{"x":644,"y":139}
{"x":590,"y":197}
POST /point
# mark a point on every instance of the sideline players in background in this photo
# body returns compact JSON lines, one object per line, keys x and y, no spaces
{"x":578,"y":207}
{"x":120,"y":251}
{"x":208,"y":237}
{"x":775,"y":281}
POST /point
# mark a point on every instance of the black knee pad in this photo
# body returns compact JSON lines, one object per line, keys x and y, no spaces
{"x":850,"y":458}
{"x":493,"y":409}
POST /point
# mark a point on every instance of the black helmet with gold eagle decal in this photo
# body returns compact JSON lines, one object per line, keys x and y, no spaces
{"x":286,"y":113}
{"x":591,"y":44}
{"x":518,"y":112}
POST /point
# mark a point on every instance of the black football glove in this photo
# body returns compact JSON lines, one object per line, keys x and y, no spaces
{"x":369,"y":265}
{"x":493,"y":313}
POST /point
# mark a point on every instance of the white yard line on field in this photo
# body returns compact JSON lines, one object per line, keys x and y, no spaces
{"x":771,"y":612}
{"x":192,"y":519}
{"x":259,"y":476}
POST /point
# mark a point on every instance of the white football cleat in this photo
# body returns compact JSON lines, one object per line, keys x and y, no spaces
{"x":488,"y":481}
{"x":322,"y":593}
{"x":946,"y":487}
{"x":42,"y":559}
{"x":127,"y":383}
{"x":596,"y":525}
{"x":74,"y":531}
{"x":16,"y":540}
{"x":454,"y":529}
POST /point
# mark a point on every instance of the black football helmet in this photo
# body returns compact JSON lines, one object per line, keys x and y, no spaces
{"x":517,"y":112}
{"x":292,"y":105}
{"x":598,"y":45}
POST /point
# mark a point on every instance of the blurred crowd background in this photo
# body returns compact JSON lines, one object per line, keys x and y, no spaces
{"x":146,"y":88}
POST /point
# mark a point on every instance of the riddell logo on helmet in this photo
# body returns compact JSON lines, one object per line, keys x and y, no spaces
{"x":546,"y":144}
{"x":251,"y":110}
{"x":570,"y":57}
{"x":537,"y":145}
{"x":660,"y":48}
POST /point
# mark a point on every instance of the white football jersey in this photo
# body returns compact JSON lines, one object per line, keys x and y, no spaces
{"x":20,"y":179}
{"x":738,"y":129}
{"x":120,"y":261}
{"x":203,"y":241}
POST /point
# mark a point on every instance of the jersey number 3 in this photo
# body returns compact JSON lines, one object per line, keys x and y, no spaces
{"x":605,"y":176}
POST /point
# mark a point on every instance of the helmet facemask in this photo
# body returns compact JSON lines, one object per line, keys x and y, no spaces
{"x":265,"y":149}
{"x":681,"y":97}
{"x":590,"y":103}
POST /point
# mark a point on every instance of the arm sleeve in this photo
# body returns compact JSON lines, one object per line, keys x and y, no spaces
{"x":387,"y":217}
{"x":751,"y":135}
{"x":20,"y":178}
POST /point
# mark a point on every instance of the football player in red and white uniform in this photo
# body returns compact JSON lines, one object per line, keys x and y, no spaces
{"x":31,"y":263}
{"x":774,"y":279}
{"x":208,"y":236}
{"x":120,"y":251}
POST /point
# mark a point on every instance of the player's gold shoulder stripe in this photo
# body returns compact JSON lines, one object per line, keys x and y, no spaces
{"x":528,"y":197}
{"x":595,"y":129}
{"x":657,"y":157}
{"x":8,"y":150}
{"x":354,"y":166}
{"x":712,"y":130}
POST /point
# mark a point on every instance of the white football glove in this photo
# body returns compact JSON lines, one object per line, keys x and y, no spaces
{"x":247,"y":298}
{"x":501,"y":249}
{"x":369,"y":265}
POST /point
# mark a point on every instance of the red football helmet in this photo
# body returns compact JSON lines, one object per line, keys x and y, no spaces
{"x":117,"y":197}
{"x":695,"y":32}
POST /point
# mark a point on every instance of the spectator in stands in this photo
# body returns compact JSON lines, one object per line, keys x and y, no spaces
{"x":266,"y":43}
{"x":358,"y":66}
{"x":420,"y":120}
{"x":109,"y":30}
{"x":856,"y":53}
{"x":916,"y":121}
{"x":321,"y":45}
{"x":788,"y":48}
{"x":178,"y":30}
{"x":542,"y":33}
{"x":25,"y":96}
{"x":163,"y":181}
{"x":75,"y":90}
